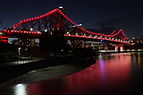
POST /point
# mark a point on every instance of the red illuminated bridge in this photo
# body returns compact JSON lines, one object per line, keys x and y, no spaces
{"x":56,"y":20}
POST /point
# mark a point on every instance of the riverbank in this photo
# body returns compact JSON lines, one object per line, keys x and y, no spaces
{"x":9,"y":71}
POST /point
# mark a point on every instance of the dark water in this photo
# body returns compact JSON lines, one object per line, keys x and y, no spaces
{"x":112,"y":74}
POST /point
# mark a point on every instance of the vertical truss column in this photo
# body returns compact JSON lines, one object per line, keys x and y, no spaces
{"x":116,"y":48}
{"x":121,"y":47}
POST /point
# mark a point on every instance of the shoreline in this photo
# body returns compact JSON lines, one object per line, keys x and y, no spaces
{"x":11,"y":71}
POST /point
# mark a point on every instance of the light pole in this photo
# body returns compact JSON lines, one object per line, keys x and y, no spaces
{"x":19,"y":52}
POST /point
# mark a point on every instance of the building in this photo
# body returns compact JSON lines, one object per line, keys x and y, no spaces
{"x":25,"y":42}
{"x":137,"y":43}
{"x":139,"y":40}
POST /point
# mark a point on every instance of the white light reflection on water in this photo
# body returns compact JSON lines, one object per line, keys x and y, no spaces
{"x":20,"y":89}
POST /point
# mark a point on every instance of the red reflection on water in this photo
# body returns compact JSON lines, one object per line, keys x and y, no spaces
{"x":110,"y":74}
{"x":49,"y":87}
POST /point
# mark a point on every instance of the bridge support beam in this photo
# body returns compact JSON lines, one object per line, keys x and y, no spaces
{"x":116,"y":48}
{"x":119,"y":47}
{"x":53,"y":43}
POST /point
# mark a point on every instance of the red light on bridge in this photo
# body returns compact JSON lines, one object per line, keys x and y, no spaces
{"x":4,"y":39}
{"x":115,"y":35}
{"x":20,"y":32}
{"x":125,"y":42}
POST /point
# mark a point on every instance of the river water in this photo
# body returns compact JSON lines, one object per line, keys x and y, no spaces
{"x":117,"y":73}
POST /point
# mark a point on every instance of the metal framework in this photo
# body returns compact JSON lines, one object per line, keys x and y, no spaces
{"x":55,"y":20}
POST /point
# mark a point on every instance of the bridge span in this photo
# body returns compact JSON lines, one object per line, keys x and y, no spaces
{"x":55,"y":24}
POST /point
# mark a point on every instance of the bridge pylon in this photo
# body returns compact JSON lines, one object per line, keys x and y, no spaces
{"x":119,"y":47}
{"x":54,"y":42}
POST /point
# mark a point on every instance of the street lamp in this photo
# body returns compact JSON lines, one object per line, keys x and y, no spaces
{"x":19,"y":52}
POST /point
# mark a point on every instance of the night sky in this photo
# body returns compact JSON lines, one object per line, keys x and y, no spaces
{"x":97,"y":14}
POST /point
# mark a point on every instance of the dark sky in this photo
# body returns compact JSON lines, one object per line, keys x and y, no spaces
{"x":125,"y":14}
